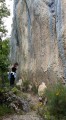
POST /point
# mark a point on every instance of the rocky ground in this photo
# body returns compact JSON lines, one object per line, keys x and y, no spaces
{"x":29,"y":115}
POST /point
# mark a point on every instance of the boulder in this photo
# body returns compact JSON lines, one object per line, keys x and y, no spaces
{"x":41,"y":89}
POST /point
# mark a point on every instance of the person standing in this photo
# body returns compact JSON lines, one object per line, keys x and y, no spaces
{"x":13,"y":74}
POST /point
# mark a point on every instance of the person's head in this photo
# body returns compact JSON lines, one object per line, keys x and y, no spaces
{"x":13,"y":69}
{"x":15,"y":64}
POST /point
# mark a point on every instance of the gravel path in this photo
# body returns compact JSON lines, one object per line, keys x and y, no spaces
{"x":28,"y":116}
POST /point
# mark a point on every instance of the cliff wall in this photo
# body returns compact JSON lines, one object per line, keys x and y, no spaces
{"x":38,"y":39}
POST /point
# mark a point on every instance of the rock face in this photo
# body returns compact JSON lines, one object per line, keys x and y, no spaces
{"x":39,"y":39}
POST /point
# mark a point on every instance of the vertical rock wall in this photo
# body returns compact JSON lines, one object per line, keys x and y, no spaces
{"x":39,"y":39}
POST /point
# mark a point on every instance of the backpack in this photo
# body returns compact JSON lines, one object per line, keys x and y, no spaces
{"x":11,"y":75}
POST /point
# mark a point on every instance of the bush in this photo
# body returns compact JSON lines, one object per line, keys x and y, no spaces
{"x":15,"y":90}
{"x":26,"y":85}
{"x":5,"y":110}
{"x":34,"y":88}
{"x":56,"y":106}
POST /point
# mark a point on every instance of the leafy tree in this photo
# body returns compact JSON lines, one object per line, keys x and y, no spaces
{"x":4,"y":12}
{"x":4,"y":44}
{"x":4,"y":61}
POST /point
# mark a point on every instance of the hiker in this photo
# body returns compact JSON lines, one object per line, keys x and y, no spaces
{"x":13,"y":74}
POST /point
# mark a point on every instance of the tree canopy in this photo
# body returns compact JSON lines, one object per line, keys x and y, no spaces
{"x":4,"y":44}
{"x":4,"y":61}
{"x":4,"y":12}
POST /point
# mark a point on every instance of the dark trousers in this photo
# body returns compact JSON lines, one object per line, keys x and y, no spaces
{"x":12,"y":81}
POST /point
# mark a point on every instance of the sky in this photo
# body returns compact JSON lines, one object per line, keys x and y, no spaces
{"x":8,"y":21}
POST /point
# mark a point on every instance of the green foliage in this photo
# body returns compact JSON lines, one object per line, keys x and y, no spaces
{"x":15,"y":90}
{"x":4,"y":12}
{"x":4,"y":59}
{"x":4,"y":46}
{"x":34,"y":88}
{"x":26,"y":84}
{"x":22,"y":95}
{"x":56,"y":106}
{"x":4,"y":110}
{"x":57,"y":100}
{"x":43,"y":112}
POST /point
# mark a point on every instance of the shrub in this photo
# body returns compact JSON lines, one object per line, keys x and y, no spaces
{"x":34,"y":88}
{"x":15,"y":90}
{"x":26,"y":85}
{"x":5,"y":110}
{"x":56,"y":106}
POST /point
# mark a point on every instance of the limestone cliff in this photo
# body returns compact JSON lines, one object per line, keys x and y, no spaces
{"x":39,"y":39}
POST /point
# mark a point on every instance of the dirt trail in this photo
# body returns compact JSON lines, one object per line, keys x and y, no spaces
{"x":28,"y":116}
